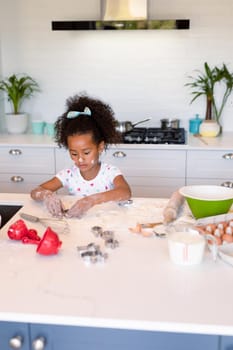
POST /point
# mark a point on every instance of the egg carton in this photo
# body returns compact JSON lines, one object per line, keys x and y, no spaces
{"x":215,"y":219}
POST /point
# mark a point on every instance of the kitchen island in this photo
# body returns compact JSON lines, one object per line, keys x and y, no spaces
{"x":137,"y":299}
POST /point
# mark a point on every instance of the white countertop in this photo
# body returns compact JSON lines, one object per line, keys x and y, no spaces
{"x":136,"y":288}
{"x":224,"y":141}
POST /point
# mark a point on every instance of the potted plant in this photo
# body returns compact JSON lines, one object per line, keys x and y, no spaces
{"x":206,"y":84}
{"x":18,"y":88}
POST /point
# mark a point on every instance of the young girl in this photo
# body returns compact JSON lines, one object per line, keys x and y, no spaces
{"x":85,"y":129}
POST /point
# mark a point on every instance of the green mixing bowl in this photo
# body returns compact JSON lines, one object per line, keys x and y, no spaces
{"x":207,"y":200}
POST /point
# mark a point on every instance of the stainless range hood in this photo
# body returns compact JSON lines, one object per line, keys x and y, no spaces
{"x":124,"y":10}
{"x":122,"y":15}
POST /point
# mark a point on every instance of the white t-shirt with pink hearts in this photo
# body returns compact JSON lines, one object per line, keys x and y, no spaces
{"x":77,"y":185}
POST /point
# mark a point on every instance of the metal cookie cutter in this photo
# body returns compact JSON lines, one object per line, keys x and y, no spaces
{"x":125,"y":203}
{"x":107,"y":234}
{"x":109,"y":240}
{"x":94,"y":257}
{"x":91,"y":253}
{"x":97,"y":230}
{"x":91,"y":247}
{"x":160,"y":234}
{"x":111,"y":243}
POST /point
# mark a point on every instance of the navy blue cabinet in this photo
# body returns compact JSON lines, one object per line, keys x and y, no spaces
{"x":49,"y":337}
{"x":84,"y":338}
{"x":226,"y":343}
{"x":14,"y":336}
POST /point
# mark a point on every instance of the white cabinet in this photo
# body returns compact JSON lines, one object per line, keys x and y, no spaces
{"x":62,"y":159}
{"x":22,"y":167}
{"x":150,"y":172}
{"x":209,"y":167}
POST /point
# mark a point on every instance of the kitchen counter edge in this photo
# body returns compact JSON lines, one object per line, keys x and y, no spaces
{"x":224,"y":141}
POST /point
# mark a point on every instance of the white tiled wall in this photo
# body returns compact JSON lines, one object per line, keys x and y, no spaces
{"x":140,"y":73}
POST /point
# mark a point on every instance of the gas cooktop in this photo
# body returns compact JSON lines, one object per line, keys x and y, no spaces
{"x":155,"y":136}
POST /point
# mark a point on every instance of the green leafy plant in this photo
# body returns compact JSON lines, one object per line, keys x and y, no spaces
{"x":18,"y":88}
{"x":205,"y":84}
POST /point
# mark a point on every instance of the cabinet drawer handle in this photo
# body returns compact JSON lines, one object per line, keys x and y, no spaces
{"x":17,"y":178}
{"x":39,"y":343}
{"x":228,"y":156}
{"x":227,"y":184}
{"x":15,"y":152}
{"x":119,"y":154}
{"x":16,"y":342}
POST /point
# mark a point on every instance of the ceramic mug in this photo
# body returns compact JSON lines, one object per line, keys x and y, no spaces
{"x":50,"y":129}
{"x":38,"y":127}
{"x":194,"y":125}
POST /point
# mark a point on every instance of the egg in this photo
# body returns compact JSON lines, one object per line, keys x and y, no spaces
{"x":222,"y":225}
{"x":218,"y":232}
{"x":218,"y":241}
{"x":136,"y":229}
{"x":147,"y":232}
{"x":201,"y":230}
{"x":229,"y":230}
{"x":227,"y":238}
{"x":210,"y":228}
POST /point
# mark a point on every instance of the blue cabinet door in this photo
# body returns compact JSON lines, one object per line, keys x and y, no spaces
{"x":226,"y":343}
{"x":14,"y":334}
{"x":85,"y":338}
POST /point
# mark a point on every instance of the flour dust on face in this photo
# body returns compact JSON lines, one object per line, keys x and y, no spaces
{"x":85,"y":154}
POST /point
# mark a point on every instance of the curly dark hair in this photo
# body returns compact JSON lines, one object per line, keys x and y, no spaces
{"x":101,"y":124}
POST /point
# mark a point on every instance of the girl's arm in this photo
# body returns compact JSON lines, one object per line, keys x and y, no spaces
{"x":47,"y":188}
{"x":120,"y":192}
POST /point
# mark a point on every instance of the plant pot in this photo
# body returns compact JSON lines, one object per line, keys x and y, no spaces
{"x":16,"y":123}
{"x":209,"y":128}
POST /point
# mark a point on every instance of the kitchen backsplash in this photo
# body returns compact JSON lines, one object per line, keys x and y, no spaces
{"x":140,"y":74}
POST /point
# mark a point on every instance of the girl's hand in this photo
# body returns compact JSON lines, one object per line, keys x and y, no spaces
{"x":80,"y":208}
{"x":54,"y":205}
